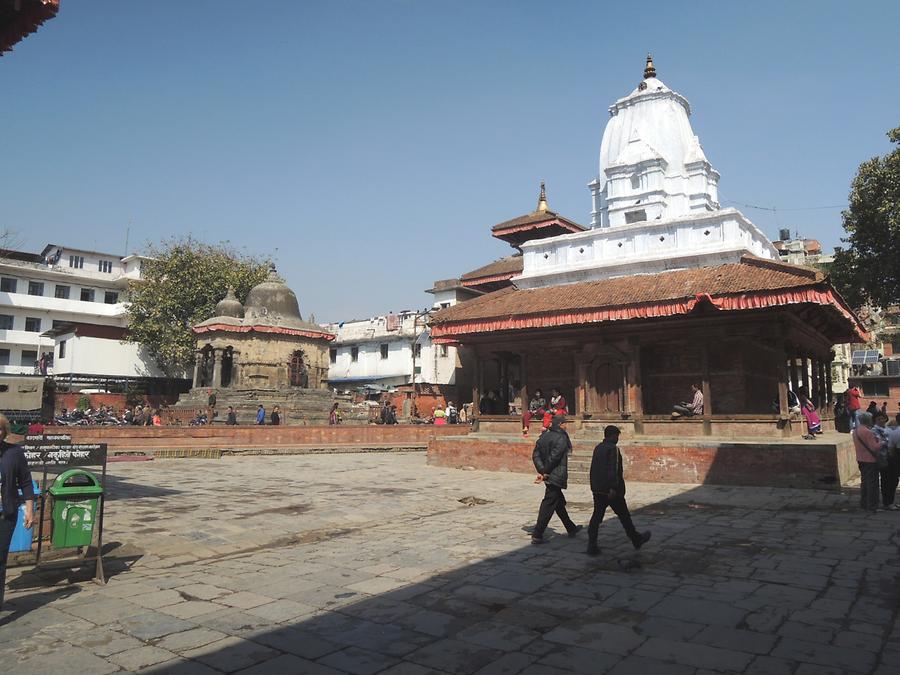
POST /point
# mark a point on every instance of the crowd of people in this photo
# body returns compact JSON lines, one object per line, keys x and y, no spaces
{"x":876,"y":440}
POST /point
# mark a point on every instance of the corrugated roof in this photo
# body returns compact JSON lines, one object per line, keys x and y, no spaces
{"x":751,"y":274}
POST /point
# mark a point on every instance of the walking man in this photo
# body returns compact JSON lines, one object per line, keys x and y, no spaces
{"x":608,"y":486}
{"x":260,"y":415}
{"x":14,"y":476}
{"x":551,"y":459}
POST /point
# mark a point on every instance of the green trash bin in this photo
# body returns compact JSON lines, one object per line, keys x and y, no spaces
{"x":76,"y":507}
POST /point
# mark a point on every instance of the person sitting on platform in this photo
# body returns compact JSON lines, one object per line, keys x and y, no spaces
{"x":537,"y":406}
{"x":334,"y":417}
{"x":231,"y":417}
{"x":691,"y":409}
{"x":558,"y":406}
{"x":813,"y":422}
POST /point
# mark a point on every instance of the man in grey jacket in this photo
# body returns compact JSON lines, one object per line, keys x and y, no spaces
{"x":551,"y":459}
{"x":608,"y":486}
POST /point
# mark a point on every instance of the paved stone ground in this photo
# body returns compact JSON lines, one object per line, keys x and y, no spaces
{"x":369,"y":564}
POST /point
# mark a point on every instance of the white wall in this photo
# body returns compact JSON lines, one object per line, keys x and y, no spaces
{"x":101,"y":356}
{"x":436,"y":365}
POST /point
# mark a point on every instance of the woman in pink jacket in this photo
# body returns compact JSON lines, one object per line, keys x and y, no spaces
{"x":867,"y":447}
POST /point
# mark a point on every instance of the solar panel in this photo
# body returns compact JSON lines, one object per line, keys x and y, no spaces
{"x":863,"y":357}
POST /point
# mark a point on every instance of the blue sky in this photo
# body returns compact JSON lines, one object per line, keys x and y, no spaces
{"x":374,"y":144}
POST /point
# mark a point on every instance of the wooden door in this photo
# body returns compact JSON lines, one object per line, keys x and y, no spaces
{"x":605,"y":388}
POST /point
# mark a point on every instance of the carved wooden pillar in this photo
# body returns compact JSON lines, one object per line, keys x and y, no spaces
{"x":707,"y":399}
{"x":829,"y":386}
{"x":198,"y":369}
{"x":476,"y":383}
{"x":795,"y":380}
{"x":815,"y":394}
{"x":523,"y":392}
{"x":804,"y":379}
{"x":783,"y":370}
{"x":217,"y":369}
{"x":637,"y":393}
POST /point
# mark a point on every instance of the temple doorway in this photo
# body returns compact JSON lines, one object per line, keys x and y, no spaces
{"x":298,"y":372}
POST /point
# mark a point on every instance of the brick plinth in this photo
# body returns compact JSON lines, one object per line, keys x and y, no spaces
{"x":816,"y":465}
{"x":220,"y":436}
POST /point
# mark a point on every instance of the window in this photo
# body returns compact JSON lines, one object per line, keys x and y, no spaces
{"x":28,"y":358}
{"x":87,"y":294}
{"x":62,"y":349}
{"x":32,"y":325}
{"x":62,"y":292}
{"x":4,"y":357}
{"x":635,"y":216}
{"x":7,"y":285}
{"x":6,"y":322}
{"x":76,"y":261}
{"x":59,"y":322}
{"x":110,"y":297}
{"x":332,"y":355}
{"x":354,"y":354}
{"x":384,"y":351}
{"x":105,"y":266}
{"x":876,"y":388}
{"x":35,"y":288}
{"x":444,"y":351}
{"x":417,"y":350}
{"x":635,"y":181}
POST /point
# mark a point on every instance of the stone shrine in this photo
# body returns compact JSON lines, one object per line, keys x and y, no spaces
{"x":262,"y":352}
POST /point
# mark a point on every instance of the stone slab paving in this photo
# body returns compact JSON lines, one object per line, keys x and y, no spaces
{"x":370,"y":564}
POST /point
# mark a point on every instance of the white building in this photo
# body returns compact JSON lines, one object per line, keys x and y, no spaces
{"x":68,"y":304}
{"x":390,"y":351}
{"x":655,"y":202}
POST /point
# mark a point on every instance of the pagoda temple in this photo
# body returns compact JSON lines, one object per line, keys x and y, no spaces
{"x":666,"y":289}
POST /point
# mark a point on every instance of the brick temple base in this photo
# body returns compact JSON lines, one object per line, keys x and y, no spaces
{"x":821,"y":464}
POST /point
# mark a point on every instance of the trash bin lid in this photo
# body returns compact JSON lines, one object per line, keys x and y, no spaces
{"x":85,"y":483}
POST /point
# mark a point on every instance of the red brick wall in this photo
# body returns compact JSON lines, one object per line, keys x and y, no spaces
{"x":821,"y":466}
{"x":222,"y":436}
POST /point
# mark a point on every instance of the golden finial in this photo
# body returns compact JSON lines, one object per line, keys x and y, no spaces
{"x":649,"y":71}
{"x":542,"y":200}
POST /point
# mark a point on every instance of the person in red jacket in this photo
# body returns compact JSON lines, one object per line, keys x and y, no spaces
{"x":853,"y":406}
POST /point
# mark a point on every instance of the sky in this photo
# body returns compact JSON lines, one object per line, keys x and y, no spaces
{"x":368,"y":147}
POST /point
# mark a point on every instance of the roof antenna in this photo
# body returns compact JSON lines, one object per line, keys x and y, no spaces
{"x":649,"y":71}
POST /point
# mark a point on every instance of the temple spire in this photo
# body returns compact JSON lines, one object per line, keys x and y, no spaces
{"x":542,"y":199}
{"x":649,"y":70}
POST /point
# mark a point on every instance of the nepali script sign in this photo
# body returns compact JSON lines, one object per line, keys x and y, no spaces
{"x":58,"y":450}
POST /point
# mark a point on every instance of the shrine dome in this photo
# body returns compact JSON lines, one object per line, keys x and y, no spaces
{"x":230,"y":306}
{"x":653,"y":159}
{"x":272,"y":302}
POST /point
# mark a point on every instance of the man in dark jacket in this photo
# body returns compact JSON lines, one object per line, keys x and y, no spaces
{"x":608,"y":486}
{"x":551,"y":459}
{"x":14,"y":476}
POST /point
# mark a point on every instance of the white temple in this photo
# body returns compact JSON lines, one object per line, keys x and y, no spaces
{"x":655,"y":201}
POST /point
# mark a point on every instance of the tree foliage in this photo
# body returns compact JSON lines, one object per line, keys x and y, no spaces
{"x":179,"y":287}
{"x":868,"y":272}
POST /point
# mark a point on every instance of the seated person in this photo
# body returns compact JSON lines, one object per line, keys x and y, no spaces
{"x":695,"y":407}
{"x":536,"y":407}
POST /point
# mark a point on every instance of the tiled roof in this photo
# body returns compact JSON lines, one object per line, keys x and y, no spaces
{"x":746,"y":277}
{"x":535,"y":217}
{"x":511,"y":265}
